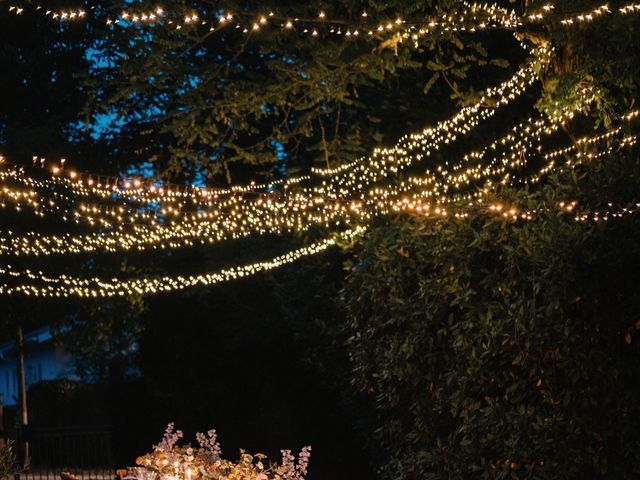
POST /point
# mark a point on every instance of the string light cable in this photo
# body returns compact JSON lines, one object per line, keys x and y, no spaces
{"x":210,"y":232}
{"x":382,"y":159}
{"x":348,"y":196}
{"x":299,"y":214}
{"x":429,"y":140}
{"x":66,"y":286}
{"x":471,"y":18}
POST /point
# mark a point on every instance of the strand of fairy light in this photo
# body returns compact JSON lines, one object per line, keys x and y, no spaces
{"x":255,"y":23}
{"x":272,"y":209}
{"x":377,"y":168}
{"x":523,"y":139}
{"x":248,"y":220}
{"x":496,"y":17}
{"x":104,"y":216}
{"x":442,"y":133}
{"x":491,"y":16}
{"x":245,"y":221}
{"x":455,"y":179}
{"x":61,"y":15}
{"x":555,"y":123}
{"x":468,"y":117}
{"x":481,"y":16}
{"x":475,"y":17}
{"x":630,"y":8}
{"x":588,"y":16}
{"x":241,"y":222}
{"x":394,"y":206}
{"x":626,"y":142}
{"x":82,"y":243}
{"x":174,"y":204}
{"x":547,"y":12}
{"x":89,"y":214}
{"x":66,"y":286}
{"x":416,"y":147}
{"x":135,"y":189}
{"x":443,"y":182}
{"x":349,"y":166}
{"x":72,"y":286}
{"x":519,"y":145}
{"x":316,"y":171}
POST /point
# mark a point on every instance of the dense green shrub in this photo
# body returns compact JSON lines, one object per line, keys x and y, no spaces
{"x":504,"y":349}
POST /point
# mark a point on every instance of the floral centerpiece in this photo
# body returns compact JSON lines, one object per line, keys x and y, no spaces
{"x":169,"y":461}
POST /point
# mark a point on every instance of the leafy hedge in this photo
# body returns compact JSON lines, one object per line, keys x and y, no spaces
{"x":499,"y":349}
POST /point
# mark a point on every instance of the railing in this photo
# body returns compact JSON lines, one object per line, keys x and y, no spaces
{"x":84,"y":452}
{"x":57,"y":474}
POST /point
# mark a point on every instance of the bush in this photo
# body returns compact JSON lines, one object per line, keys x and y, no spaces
{"x":501,"y":349}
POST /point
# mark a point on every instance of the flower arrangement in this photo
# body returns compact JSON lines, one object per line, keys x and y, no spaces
{"x":169,"y":461}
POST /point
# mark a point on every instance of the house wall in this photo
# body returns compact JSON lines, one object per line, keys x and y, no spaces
{"x":44,"y":360}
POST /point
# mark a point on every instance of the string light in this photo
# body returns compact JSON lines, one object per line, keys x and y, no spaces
{"x":625,"y":142}
{"x":515,"y":148}
{"x":106,"y":187}
{"x":245,"y":219}
{"x":587,"y":17}
{"x":347,"y":196}
{"x":266,"y":218}
{"x":416,"y":147}
{"x":630,"y":8}
{"x":299,"y":213}
{"x":236,"y":217}
{"x":65,"y":286}
{"x":253,"y":23}
{"x":534,"y":17}
{"x":472,"y":18}
{"x":461,"y":123}
{"x":61,"y":15}
{"x":139,"y":17}
{"x":338,"y":187}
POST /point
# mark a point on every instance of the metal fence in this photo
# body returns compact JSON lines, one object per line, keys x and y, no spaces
{"x":83,"y":452}
{"x":56,"y":474}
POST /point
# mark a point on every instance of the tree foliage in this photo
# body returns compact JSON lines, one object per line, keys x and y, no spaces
{"x":488,"y":349}
{"x":213,"y":102}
